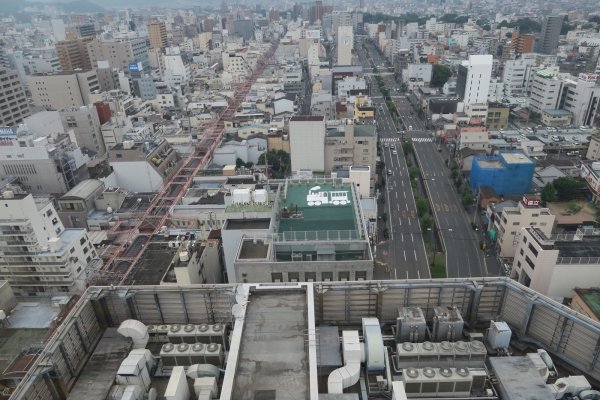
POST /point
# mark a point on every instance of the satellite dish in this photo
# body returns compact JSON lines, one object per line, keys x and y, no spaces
{"x":237,"y":311}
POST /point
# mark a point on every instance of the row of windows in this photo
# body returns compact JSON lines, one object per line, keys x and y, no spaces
{"x":313,"y":276}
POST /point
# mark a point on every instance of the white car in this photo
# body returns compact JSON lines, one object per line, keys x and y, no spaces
{"x":394,"y":152}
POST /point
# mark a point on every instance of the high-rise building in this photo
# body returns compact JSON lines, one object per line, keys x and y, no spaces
{"x":119,"y":53}
{"x":39,"y":255}
{"x":473,"y":80}
{"x":73,"y":54}
{"x":63,"y":89}
{"x":13,"y":102}
{"x":582,"y":98}
{"x":157,"y":34}
{"x":522,"y":43}
{"x":550,"y":33}
{"x":85,"y":124}
{"x":546,"y":90}
{"x":345,"y":43}
{"x":516,"y":75}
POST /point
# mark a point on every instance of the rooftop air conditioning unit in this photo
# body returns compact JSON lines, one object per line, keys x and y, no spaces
{"x":214,"y":354}
{"x":407,"y":355}
{"x":162,"y":333}
{"x":182,"y":354}
{"x":188,"y":334}
{"x":410,"y":325}
{"x":446,"y":351}
{"x":462,"y":354}
{"x":478,"y":354}
{"x":167,"y":355}
{"x":447,"y":324}
{"x":197,"y":353}
{"x":218,"y":333}
{"x":428,"y":354}
{"x":175,"y":334}
{"x":203,"y":333}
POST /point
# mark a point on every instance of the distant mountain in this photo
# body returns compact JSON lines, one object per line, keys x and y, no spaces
{"x":77,"y":6}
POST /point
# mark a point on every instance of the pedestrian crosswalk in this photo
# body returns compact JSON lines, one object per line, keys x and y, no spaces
{"x":389,"y":140}
{"x":422,"y":139}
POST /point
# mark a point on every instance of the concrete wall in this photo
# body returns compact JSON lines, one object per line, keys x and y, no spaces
{"x":307,"y":145}
{"x":262,"y":271}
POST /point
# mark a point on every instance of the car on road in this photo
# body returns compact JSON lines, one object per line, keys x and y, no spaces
{"x":394,"y":152}
{"x":392,"y":146}
{"x":389,"y":172}
{"x":410,"y":128}
{"x":385,"y":146}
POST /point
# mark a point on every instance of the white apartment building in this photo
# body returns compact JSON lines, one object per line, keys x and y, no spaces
{"x":85,"y":125}
{"x":350,"y":83}
{"x":421,"y":72}
{"x":508,"y":221}
{"x":473,"y":80}
{"x":345,"y":44}
{"x":546,"y":89}
{"x":554,"y":265}
{"x":582,"y":98}
{"x":38,"y":256}
{"x":307,"y":139}
{"x":516,"y":75}
{"x":173,"y":70}
{"x":43,"y":165}
{"x":474,"y":138}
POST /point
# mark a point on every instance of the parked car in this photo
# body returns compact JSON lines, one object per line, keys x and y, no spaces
{"x":555,"y":138}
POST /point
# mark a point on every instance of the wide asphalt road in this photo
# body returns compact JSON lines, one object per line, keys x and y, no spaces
{"x":404,"y":251}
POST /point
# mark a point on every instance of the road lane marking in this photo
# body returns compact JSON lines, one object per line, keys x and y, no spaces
{"x":415,"y":251}
{"x":404,"y":251}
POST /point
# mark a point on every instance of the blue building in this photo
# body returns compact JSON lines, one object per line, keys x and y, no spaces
{"x":507,"y":173}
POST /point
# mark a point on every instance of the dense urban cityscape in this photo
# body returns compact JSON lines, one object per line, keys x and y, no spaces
{"x":308,"y":200}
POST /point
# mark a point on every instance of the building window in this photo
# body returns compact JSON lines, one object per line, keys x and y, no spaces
{"x":344,"y":276}
{"x":310,"y":276}
{"x":327,"y":276}
{"x":293,"y":276}
{"x":529,"y":262}
{"x":533,"y":250}
{"x":276,"y":276}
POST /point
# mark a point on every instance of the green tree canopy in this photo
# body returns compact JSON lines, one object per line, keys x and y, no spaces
{"x":278,"y":160}
{"x":440,"y":75}
{"x":525,"y":25}
{"x":567,"y":188}
{"x":548,"y":194}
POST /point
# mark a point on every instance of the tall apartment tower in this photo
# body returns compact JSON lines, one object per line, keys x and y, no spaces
{"x":157,"y":34}
{"x":39,"y":255}
{"x":345,"y":43}
{"x":13,"y":102}
{"x":73,"y":54}
{"x":473,"y":79}
{"x":550,"y":33}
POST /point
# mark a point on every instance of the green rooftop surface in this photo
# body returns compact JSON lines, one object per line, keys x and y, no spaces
{"x":325,"y":217}
{"x":592,"y":299}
